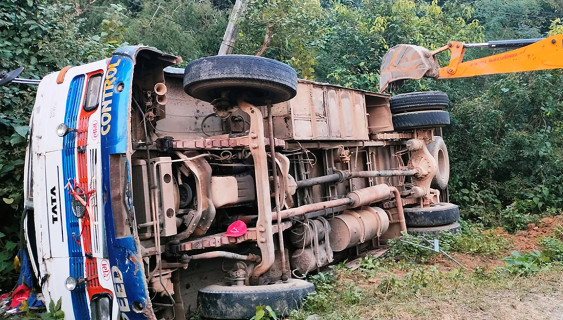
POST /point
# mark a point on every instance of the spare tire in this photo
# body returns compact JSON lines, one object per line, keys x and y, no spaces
{"x":420,"y":120}
{"x":438,"y":214}
{"x":240,"y":302}
{"x":257,"y":80}
{"x":439,"y":151}
{"x":417,"y":101}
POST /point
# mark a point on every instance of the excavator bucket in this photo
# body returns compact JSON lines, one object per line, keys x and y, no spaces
{"x":406,"y":61}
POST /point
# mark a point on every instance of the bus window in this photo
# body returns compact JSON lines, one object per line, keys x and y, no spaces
{"x":93,"y":92}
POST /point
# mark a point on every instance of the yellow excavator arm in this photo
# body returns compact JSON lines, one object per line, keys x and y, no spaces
{"x":405,"y":61}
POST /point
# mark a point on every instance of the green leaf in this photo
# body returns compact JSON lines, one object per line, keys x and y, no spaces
{"x":10,"y":245}
{"x":271,"y":312}
{"x":260,"y":313}
{"x":59,"y":304}
{"x":8,"y":200}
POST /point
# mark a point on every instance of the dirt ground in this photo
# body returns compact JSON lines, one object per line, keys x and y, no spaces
{"x":539,"y":296}
{"x":535,"y":298}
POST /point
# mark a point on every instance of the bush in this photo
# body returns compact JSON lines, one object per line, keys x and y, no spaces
{"x":553,"y":246}
{"x":505,"y":150}
{"x":527,"y":263}
{"x":471,"y":240}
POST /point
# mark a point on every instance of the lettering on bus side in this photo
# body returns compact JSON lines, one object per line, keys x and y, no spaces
{"x":108,"y":96}
{"x":119,"y":286}
{"x":54,"y":211}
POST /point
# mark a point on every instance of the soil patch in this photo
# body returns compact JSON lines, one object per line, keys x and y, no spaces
{"x":527,"y":240}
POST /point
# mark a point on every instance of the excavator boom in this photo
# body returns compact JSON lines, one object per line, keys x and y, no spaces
{"x":414,"y":62}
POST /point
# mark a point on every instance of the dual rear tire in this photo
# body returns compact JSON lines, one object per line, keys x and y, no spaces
{"x":419,"y":110}
{"x":433,"y":219}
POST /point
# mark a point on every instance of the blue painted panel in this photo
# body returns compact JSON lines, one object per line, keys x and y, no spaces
{"x":129,"y":280}
{"x":115,"y":104}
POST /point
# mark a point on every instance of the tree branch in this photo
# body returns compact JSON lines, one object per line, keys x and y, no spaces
{"x":267,"y":39}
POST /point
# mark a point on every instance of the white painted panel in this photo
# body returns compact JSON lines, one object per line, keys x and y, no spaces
{"x":54,"y":194}
{"x":41,"y":208}
{"x":54,"y":288}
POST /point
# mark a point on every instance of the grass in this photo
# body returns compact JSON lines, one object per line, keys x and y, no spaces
{"x":425,"y":292}
{"x":472,"y":240}
{"x":408,"y":285}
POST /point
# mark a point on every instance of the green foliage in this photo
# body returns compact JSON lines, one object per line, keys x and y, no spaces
{"x":403,"y":249}
{"x":350,"y":28}
{"x":556,"y":27}
{"x":471,"y":240}
{"x":321,"y":299}
{"x":527,"y":263}
{"x":553,"y":246}
{"x":360,"y":36}
{"x":351,"y":294}
{"x":417,"y":279}
{"x":293,"y":28}
{"x":191,"y":29}
{"x":7,"y":255}
{"x":516,"y":19}
{"x":43,"y":37}
{"x":263,"y":313}
{"x":369,"y":263}
{"x":55,"y":312}
{"x":342,"y":42}
{"x":558,"y":232}
{"x":474,"y":240}
{"x":505,"y":150}
{"x":553,"y":249}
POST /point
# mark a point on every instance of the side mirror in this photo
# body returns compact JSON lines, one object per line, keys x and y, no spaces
{"x":7,"y":77}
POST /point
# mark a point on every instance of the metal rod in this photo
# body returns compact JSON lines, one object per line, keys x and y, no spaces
{"x":319,"y":180}
{"x":345,"y":175}
{"x":26,"y":81}
{"x":354,"y":199}
{"x":400,"y":211}
{"x":433,"y":249}
{"x":383,"y":173}
{"x":503,"y":43}
{"x":299,"y":211}
{"x":153,"y":194}
{"x":264,"y":224}
{"x":225,"y":254}
{"x":285,"y":272}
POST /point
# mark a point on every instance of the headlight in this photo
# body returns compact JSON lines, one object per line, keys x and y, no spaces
{"x":71,"y":283}
{"x":62,"y":130}
{"x":101,"y":307}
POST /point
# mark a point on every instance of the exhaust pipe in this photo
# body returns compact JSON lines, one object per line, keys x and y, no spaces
{"x":160,"y":89}
{"x":162,"y":100}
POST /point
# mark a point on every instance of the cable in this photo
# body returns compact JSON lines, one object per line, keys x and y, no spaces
{"x":203,"y":122}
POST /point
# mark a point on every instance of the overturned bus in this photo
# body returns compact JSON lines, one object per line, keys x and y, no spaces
{"x":144,"y":202}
